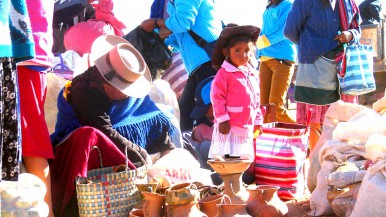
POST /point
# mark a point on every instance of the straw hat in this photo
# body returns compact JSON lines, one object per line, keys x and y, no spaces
{"x":121,"y":65}
{"x":229,"y":32}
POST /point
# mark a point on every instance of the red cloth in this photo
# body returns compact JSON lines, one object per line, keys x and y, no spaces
{"x":104,"y":12}
{"x":88,"y":31}
{"x":72,"y":159}
{"x":34,"y":131}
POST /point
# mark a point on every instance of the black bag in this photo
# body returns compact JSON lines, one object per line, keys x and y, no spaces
{"x":152,"y":48}
{"x":67,"y":9}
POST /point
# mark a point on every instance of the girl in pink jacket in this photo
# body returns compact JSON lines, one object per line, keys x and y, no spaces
{"x":235,"y":93}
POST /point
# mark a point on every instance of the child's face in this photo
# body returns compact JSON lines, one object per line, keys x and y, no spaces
{"x":240,"y":53}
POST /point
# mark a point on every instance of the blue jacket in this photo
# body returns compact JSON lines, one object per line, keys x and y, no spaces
{"x":312,"y":25}
{"x":274,"y":19}
{"x":199,"y":16}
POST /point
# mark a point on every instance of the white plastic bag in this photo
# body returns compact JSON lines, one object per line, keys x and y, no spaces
{"x":179,"y":166}
{"x":24,"y":197}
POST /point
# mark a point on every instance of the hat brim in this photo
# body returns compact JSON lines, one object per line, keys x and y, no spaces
{"x":226,"y":34}
{"x":138,"y":89}
{"x":100,"y":48}
{"x":102,"y":45}
{"x":199,"y":112}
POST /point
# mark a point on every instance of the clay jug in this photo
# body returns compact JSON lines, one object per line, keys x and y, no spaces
{"x":184,"y":210}
{"x":263,"y":201}
{"x":208,"y":204}
{"x":154,"y":205}
{"x":234,"y":188}
{"x":227,"y":209}
{"x":183,"y":193}
{"x":136,"y":213}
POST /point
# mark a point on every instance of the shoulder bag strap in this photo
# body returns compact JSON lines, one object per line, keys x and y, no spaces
{"x":198,"y":39}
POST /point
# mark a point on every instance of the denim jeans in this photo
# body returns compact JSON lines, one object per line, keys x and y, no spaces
{"x":186,"y":102}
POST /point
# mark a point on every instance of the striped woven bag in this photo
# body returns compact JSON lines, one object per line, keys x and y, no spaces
{"x":281,"y":151}
{"x":109,"y":191}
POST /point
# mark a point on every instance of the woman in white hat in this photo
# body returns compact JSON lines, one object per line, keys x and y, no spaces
{"x":107,"y":106}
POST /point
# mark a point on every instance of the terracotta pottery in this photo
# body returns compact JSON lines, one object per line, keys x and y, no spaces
{"x":208,"y":204}
{"x":183,"y":193}
{"x":231,"y":172}
{"x":144,"y":187}
{"x":184,"y":210}
{"x":136,"y":213}
{"x":263,"y":201}
{"x":154,"y":205}
{"x":227,"y":209}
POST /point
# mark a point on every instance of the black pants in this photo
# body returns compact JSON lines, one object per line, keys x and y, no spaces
{"x":186,"y":102}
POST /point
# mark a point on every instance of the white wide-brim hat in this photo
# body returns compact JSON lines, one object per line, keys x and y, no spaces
{"x":121,"y":65}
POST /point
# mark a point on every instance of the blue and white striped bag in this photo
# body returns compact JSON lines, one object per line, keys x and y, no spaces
{"x":359,"y":78}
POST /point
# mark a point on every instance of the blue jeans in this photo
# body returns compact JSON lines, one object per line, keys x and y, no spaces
{"x":186,"y":101}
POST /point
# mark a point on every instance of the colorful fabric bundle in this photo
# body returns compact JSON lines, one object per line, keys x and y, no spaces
{"x":349,"y":18}
{"x":281,"y":152}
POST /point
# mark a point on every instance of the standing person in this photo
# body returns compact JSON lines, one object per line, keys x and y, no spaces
{"x":201,"y":17}
{"x":277,"y":58}
{"x":32,"y":83}
{"x":315,"y":26}
{"x":370,"y":11}
{"x":235,"y":93}
{"x":176,"y":74}
{"x":16,"y":45}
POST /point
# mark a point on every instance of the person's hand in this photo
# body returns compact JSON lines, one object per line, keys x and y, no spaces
{"x":257,"y":131}
{"x":148,"y":25}
{"x":164,"y":33}
{"x":344,"y":37}
{"x":224,"y":127}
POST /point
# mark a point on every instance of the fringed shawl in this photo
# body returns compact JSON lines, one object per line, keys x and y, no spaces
{"x":137,"y":119}
{"x":140,"y":121}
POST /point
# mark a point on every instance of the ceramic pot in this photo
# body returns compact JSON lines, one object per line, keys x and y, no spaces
{"x":234,"y":188}
{"x":208,"y":204}
{"x":183,"y":193}
{"x":184,"y":210}
{"x":263,"y":201}
{"x":136,"y":213}
{"x":154,"y":205}
{"x":227,"y":209}
{"x":144,"y":187}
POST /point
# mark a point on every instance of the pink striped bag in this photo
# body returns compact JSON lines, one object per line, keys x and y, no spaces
{"x":281,"y":151}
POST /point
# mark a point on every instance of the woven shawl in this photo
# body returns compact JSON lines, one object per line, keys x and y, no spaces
{"x":137,"y":119}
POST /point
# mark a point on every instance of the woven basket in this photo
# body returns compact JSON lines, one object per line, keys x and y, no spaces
{"x":109,"y":191}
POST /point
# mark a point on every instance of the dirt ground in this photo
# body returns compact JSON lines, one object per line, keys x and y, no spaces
{"x":300,"y":208}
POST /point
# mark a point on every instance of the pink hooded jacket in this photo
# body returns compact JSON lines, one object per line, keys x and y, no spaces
{"x":235,"y":96}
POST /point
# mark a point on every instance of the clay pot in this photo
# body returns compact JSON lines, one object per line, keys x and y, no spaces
{"x":231,"y":171}
{"x":144,"y":187}
{"x":184,"y":210}
{"x":136,"y":213}
{"x":208,"y":204}
{"x":226,"y":209}
{"x":154,"y":205}
{"x":234,"y":188}
{"x":183,"y":193}
{"x":263,"y":201}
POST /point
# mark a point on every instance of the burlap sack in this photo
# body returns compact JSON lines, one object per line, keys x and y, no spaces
{"x":372,"y":193}
{"x":343,"y":204}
